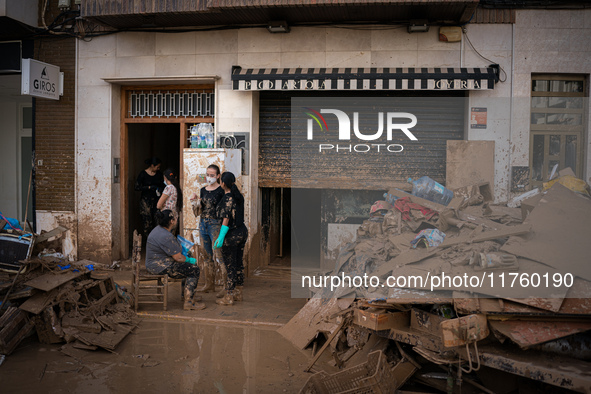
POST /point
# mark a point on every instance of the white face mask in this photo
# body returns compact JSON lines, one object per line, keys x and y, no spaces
{"x":210,"y":180}
{"x":165,"y":184}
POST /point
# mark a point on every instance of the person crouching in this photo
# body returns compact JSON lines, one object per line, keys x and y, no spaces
{"x":164,"y":256}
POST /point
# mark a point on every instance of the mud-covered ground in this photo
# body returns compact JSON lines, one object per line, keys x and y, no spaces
{"x":163,"y":357}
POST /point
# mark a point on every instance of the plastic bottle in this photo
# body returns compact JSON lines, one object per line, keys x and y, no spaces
{"x":194,"y":137}
{"x":209,"y":136}
{"x":202,"y":135}
{"x":428,"y":189}
{"x":390,"y":198}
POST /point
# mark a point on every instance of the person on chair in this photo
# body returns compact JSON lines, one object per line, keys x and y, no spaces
{"x":164,"y":256}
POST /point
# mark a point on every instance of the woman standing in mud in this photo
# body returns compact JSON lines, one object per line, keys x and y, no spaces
{"x":149,"y":182}
{"x":164,"y":256}
{"x":232,"y":238}
{"x":209,"y":224}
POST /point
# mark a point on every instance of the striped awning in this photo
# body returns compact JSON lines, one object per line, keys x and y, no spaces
{"x":438,"y":78}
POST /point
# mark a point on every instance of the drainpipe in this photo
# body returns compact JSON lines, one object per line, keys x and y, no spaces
{"x":512,"y":111}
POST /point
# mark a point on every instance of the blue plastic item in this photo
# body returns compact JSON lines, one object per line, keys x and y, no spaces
{"x":428,"y":189}
{"x":11,"y":223}
{"x":186,"y":245}
{"x":390,"y":198}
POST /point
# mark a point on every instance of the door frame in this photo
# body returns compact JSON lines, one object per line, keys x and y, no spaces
{"x":124,"y":160}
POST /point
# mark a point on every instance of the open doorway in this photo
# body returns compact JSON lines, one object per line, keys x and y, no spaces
{"x":146,"y":140}
{"x":292,"y":225}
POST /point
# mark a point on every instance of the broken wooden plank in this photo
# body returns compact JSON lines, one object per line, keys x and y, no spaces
{"x":530,"y":333}
{"x":50,"y":281}
{"x":328,"y":342}
{"x":564,"y":372}
{"x":50,"y":234}
{"x":106,"y":339}
{"x":39,"y":301}
{"x":311,"y":319}
{"x":487,"y":236}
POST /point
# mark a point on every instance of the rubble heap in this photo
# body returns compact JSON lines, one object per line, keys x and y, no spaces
{"x":458,"y":337}
{"x":73,"y":302}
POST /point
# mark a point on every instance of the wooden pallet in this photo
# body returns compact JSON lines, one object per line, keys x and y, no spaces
{"x":14,"y":327}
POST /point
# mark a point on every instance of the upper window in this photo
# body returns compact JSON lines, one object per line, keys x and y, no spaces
{"x":557,"y":125}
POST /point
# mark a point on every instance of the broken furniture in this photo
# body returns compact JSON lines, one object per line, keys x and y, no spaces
{"x":155,"y":292}
{"x":14,"y":326}
{"x":14,"y":248}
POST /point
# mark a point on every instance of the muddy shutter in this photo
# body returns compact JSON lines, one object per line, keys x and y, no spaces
{"x":440,"y":121}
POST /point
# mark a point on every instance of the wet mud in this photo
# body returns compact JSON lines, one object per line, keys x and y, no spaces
{"x":163,"y":356}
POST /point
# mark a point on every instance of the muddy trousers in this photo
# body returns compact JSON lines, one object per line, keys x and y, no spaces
{"x":186,"y":271}
{"x":147,"y":212}
{"x":233,"y":256}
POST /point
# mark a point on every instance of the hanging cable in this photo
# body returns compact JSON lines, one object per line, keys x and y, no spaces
{"x":479,"y":54}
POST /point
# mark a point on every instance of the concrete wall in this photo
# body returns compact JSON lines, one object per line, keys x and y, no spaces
{"x":547,"y":42}
{"x":132,"y":55}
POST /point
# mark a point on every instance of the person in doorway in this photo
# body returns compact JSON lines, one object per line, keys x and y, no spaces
{"x":232,"y":238}
{"x":149,"y":182}
{"x":172,"y":196}
{"x":205,"y":206}
{"x":164,"y":256}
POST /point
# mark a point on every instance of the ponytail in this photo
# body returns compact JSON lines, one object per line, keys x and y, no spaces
{"x":230,"y":181}
{"x":174,"y":180}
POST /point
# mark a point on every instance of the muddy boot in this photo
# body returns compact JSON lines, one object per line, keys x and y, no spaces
{"x":189,"y":305}
{"x":224,"y":279}
{"x":227,"y":300}
{"x":209,"y":276}
{"x":221,"y":293}
{"x":197,"y":298}
{"x":238,"y":293}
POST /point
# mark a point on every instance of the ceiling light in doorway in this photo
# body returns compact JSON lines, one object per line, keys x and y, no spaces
{"x":418,"y":26}
{"x":278,"y":27}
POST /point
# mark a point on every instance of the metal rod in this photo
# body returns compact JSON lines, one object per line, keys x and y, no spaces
{"x":28,"y":195}
{"x":281,"y":227}
{"x":328,"y":341}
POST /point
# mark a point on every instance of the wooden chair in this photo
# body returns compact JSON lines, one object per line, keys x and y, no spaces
{"x":157,"y":293}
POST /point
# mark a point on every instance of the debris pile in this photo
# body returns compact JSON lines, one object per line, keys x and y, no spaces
{"x":522,"y":322}
{"x":76,"y":302}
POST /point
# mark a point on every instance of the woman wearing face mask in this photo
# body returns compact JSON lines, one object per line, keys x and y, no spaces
{"x":149,"y":182}
{"x":232,"y":238}
{"x":209,"y":225}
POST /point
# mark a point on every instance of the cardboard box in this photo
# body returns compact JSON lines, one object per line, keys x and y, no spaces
{"x":529,"y":204}
{"x":379,"y":319}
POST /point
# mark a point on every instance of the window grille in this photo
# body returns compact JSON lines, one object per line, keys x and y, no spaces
{"x":171,"y":104}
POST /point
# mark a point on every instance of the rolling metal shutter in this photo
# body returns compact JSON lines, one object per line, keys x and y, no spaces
{"x":438,"y":123}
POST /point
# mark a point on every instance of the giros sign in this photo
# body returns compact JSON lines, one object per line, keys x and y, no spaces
{"x":395,"y":121}
{"x":41,"y":80}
